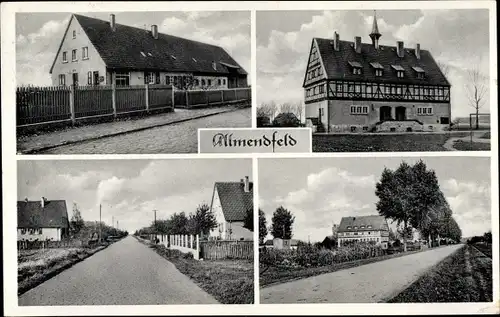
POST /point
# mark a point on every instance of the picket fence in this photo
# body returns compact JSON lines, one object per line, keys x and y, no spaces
{"x":226,"y":249}
{"x":49,"y":105}
{"x":41,"y":244}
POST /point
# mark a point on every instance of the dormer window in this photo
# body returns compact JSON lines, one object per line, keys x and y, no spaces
{"x":349,"y":227}
{"x":355,"y":227}
{"x":194,"y":60}
{"x":173,"y":57}
{"x":143,"y":55}
{"x":149,"y":54}
{"x":369,"y":226}
{"x":379,"y":69}
{"x":214,"y":65}
{"x":420,"y":72}
{"x":356,"y":67}
{"x":400,"y":71}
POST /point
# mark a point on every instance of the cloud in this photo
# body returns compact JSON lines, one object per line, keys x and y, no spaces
{"x":471,"y":205}
{"x":326,"y":197}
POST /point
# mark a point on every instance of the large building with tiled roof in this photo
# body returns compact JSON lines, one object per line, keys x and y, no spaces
{"x":98,"y":52}
{"x":357,"y":87}
{"x":372,"y":229}
{"x":230,"y":203}
{"x":42,"y":220}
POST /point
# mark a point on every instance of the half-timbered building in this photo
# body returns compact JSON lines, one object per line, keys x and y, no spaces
{"x":357,"y":87}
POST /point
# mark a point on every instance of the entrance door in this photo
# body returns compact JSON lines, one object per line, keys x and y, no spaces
{"x":96,"y":78}
{"x":400,"y":113}
{"x":75,"y":79}
{"x":385,"y":113}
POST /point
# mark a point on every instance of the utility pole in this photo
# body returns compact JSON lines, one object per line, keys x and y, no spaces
{"x":100,"y":225}
{"x":113,"y":221}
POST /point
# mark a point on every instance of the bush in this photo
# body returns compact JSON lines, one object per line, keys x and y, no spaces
{"x":263,"y":122}
{"x":286,"y":120}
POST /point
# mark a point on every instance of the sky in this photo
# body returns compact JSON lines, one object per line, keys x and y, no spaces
{"x":128,"y":190}
{"x":320,"y":191}
{"x":457,"y":38}
{"x":38,"y":35}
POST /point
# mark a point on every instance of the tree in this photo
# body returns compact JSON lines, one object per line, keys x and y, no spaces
{"x":282,"y":223}
{"x":476,"y":89}
{"x":444,"y":67}
{"x":177,"y":224}
{"x":262,"y":226}
{"x":487,"y":237}
{"x":287,"y":119}
{"x":202,"y":221}
{"x":299,"y":110}
{"x":76,"y":223}
{"x":287,"y":108}
{"x":248,"y":221}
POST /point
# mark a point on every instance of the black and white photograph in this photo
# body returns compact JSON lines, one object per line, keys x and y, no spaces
{"x":375,"y":230}
{"x":384,"y":80}
{"x":129,"y":82}
{"x":135,"y":232}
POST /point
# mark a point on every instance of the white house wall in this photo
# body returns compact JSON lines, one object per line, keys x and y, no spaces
{"x":238,"y":232}
{"x":80,"y":66}
{"x":220,"y":230}
{"x":53,"y":234}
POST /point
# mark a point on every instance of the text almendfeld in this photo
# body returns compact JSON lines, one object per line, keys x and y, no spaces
{"x":227,"y":140}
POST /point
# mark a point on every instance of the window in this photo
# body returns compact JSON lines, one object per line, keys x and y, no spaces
{"x":62,"y":80}
{"x":65,"y":57}
{"x":143,"y":55}
{"x":209,"y":82}
{"x":219,"y":82}
{"x":73,"y":56}
{"x":356,"y":71}
{"x":379,"y":72}
{"x":85,"y":53}
{"x":359,"y":110}
{"x":203,"y":82}
{"x":223,"y":81}
{"x":89,"y":78}
{"x":196,"y":82}
{"x":149,"y":78}
{"x":424,"y":110}
{"x":400,"y":74}
{"x":23,"y":230}
{"x":122,"y":79}
{"x":149,"y":54}
{"x":157,"y":78}
{"x":96,"y":78}
{"x":420,"y":75}
{"x":74,"y":34}
{"x":175,"y":80}
{"x":369,"y":226}
{"x":31,"y":231}
{"x":167,"y":80}
{"x":39,"y":231}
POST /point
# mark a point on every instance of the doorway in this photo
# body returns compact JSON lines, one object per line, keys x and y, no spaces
{"x":385,"y":113}
{"x":75,"y":79}
{"x":400,"y":113}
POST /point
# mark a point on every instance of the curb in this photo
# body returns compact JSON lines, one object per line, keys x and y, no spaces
{"x":56,"y":271}
{"x":48,"y":147}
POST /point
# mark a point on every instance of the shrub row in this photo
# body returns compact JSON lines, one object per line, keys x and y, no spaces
{"x":310,"y":256}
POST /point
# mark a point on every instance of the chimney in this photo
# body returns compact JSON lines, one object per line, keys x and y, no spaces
{"x":417,"y":51}
{"x":246,"y":186}
{"x":357,"y":44}
{"x":336,"y":41}
{"x":26,"y":199}
{"x":400,"y":49}
{"x":112,"y":23}
{"x":154,"y":31}
{"x":42,"y":202}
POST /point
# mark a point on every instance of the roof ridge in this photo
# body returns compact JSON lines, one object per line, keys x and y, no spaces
{"x":138,"y":28}
{"x":367,"y":43}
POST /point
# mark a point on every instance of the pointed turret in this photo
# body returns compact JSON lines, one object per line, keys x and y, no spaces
{"x":375,"y":34}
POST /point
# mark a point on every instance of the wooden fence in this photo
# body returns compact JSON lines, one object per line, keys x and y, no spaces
{"x":45,"y":105}
{"x":225,"y":249}
{"x":202,"y":98}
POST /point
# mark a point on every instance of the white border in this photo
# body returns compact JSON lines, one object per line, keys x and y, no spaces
{"x":9,"y":193}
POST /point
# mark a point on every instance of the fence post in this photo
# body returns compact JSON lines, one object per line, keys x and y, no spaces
{"x":113,"y":98}
{"x":187,"y":99}
{"x":208,"y":98}
{"x":191,"y":246}
{"x":147,"y":98}
{"x":72,"y":103}
{"x":173,"y":96}
{"x":222,"y":95}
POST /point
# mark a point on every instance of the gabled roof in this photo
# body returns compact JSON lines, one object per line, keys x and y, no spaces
{"x":234,"y":200}
{"x":135,"y":49}
{"x":54,"y":214}
{"x":337,"y":63}
{"x":376,"y":222}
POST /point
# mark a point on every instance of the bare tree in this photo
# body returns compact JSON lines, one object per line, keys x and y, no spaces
{"x":287,"y":108}
{"x":273,"y":108}
{"x":299,"y":110}
{"x":476,"y":89}
{"x":445,"y":68}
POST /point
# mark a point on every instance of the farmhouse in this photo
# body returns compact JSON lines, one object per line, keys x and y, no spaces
{"x":230,"y":203}
{"x":97,"y":52}
{"x":373,"y":228}
{"x":360,"y":87}
{"x":42,"y":220}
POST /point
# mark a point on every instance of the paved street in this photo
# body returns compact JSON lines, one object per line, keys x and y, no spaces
{"x":126,"y":273}
{"x":371,"y":283}
{"x":176,"y":138}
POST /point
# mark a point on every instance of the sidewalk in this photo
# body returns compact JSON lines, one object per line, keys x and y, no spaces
{"x":34,"y":143}
{"x":476,"y":138}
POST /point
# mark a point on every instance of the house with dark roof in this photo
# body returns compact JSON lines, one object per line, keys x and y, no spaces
{"x":98,"y":52}
{"x":230,"y":203}
{"x":42,"y":220}
{"x":373,"y":229}
{"x":351,"y":86}
{"x":278,"y":243}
